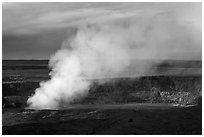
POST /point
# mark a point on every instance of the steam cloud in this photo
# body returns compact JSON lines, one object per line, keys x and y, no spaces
{"x":108,"y":49}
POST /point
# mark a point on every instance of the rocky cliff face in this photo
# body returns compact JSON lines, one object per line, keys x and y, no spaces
{"x":156,"y":89}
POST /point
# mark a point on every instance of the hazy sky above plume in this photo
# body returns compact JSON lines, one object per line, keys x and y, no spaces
{"x":37,"y":30}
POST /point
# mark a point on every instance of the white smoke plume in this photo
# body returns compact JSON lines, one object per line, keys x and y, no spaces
{"x":107,"y":49}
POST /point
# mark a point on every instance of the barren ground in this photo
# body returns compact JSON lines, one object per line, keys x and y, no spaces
{"x":121,"y":107}
{"x":133,"y":119}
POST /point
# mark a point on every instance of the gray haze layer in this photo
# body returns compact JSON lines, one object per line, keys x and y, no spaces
{"x":37,"y":30}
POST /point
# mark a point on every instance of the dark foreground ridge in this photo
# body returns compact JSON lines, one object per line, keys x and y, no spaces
{"x":163,"y":120}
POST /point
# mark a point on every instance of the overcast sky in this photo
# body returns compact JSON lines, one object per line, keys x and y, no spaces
{"x":37,"y":30}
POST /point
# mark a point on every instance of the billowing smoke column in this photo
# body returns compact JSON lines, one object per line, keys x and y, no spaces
{"x":107,"y":49}
{"x":92,"y":54}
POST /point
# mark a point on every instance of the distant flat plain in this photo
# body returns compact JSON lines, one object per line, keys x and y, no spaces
{"x":38,"y":70}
